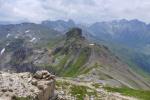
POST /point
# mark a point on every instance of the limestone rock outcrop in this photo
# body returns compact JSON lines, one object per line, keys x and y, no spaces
{"x":38,"y":86}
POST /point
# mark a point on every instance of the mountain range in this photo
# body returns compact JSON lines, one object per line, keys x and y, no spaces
{"x":120,"y":35}
{"x":112,"y":53}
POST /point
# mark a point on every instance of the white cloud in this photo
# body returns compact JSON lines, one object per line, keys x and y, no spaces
{"x":79,"y":10}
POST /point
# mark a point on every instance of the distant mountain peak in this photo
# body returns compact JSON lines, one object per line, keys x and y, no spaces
{"x":71,"y":22}
{"x":75,"y":33}
{"x":59,"y":25}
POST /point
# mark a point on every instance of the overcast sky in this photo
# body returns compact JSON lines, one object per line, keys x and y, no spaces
{"x":85,"y":11}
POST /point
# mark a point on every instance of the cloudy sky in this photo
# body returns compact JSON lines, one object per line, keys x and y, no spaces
{"x":85,"y":11}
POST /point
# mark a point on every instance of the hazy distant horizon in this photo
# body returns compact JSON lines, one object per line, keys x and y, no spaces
{"x":66,"y":20}
{"x":83,"y":11}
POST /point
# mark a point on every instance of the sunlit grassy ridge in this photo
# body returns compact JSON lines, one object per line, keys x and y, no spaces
{"x":74,"y":68}
{"x":140,"y":94}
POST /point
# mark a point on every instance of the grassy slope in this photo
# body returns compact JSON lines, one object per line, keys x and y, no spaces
{"x":73,"y":68}
{"x":126,"y":54}
{"x":128,"y":57}
{"x":76,"y":90}
{"x":80,"y":91}
{"x":140,"y":94}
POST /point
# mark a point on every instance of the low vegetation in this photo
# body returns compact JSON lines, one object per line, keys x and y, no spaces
{"x":140,"y":94}
{"x":78,"y":91}
{"x":22,"y":98}
{"x":73,"y":68}
{"x":82,"y":91}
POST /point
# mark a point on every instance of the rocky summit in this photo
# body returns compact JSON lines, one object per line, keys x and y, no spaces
{"x":27,"y":86}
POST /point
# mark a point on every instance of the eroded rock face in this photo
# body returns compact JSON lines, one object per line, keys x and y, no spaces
{"x":40,"y":86}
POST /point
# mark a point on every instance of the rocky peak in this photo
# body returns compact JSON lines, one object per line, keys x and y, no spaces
{"x":18,"y":86}
{"x":74,"y":33}
{"x":71,"y":22}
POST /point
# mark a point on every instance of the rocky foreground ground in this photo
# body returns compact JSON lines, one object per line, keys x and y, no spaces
{"x":43,"y":86}
{"x":69,"y":89}
{"x":26,"y":86}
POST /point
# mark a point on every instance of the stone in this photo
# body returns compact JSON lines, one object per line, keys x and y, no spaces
{"x":44,"y":72}
{"x":4,"y":90}
{"x":41,"y":74}
{"x":38,"y":75}
{"x":46,"y":76}
{"x":10,"y":90}
{"x":49,"y":83}
{"x":39,"y":88}
{"x":11,"y":79}
{"x":52,"y":77}
{"x":34,"y":82}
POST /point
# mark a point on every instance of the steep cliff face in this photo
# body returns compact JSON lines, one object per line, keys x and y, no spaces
{"x":26,"y":86}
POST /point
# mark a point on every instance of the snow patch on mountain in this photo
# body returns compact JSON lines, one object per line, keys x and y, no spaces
{"x":91,"y":44}
{"x":2,"y":51}
{"x":7,"y":44}
{"x":27,"y":31}
{"x":7,"y":35}
{"x":33,"y":39}
{"x":16,"y":37}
